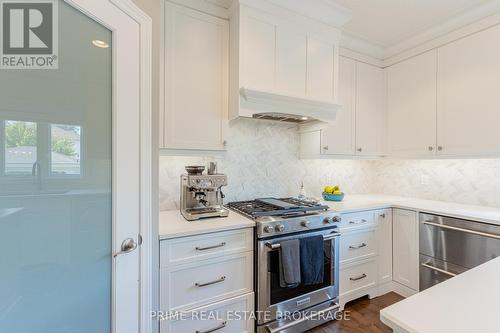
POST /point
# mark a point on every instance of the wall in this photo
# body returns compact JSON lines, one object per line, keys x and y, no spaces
{"x":262,"y":160}
{"x":469,"y":181}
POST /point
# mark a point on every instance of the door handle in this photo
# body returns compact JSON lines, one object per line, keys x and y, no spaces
{"x":128,"y":245}
{"x":426,"y":265}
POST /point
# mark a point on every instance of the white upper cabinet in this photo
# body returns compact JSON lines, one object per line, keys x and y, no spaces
{"x":259,"y":53}
{"x":281,"y":62}
{"x":370,"y":110}
{"x":291,"y":55}
{"x":322,"y":69}
{"x":196,"y":79}
{"x":468,"y":99}
{"x":339,"y":137}
{"x":412,"y":106}
{"x":359,"y":127}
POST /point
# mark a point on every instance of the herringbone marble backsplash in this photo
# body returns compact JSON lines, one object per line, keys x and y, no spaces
{"x":262,"y":160}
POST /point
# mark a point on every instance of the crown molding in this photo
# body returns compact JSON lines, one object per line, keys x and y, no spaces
{"x":325,"y":11}
{"x":438,"y":32}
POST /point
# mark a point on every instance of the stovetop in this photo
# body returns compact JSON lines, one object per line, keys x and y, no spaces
{"x":286,"y":215}
{"x":276,"y":207}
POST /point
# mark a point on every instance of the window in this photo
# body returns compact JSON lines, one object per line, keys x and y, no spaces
{"x":65,"y":149}
{"x":57,"y":148}
{"x":20,"y":147}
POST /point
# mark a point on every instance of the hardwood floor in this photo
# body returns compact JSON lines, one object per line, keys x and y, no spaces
{"x":364,"y":316}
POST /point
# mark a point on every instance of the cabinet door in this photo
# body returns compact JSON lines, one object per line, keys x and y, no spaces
{"x":196,"y":79}
{"x":258,"y":52}
{"x":321,"y":69}
{"x":338,"y":138}
{"x":290,"y":62}
{"x":468,"y":103}
{"x":384,"y":241}
{"x":370,"y":110}
{"x":405,"y":248}
{"x":412,"y":106}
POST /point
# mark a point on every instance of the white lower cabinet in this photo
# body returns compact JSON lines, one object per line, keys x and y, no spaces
{"x":365,"y":254}
{"x":405,"y":248}
{"x":211,"y":274}
{"x":221,"y":317}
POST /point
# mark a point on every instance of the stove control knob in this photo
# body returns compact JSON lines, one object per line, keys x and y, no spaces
{"x":279,"y":228}
{"x":336,"y":219}
{"x":305,"y":223}
{"x":268,"y":229}
{"x":327,"y":220}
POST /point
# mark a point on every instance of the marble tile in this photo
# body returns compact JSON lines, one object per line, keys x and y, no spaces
{"x":262,"y":160}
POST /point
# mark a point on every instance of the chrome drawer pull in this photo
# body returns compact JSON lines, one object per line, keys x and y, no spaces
{"x":357,"y":247}
{"x":199,"y":285}
{"x":210,"y":247}
{"x":439,"y":270}
{"x":221,"y":326}
{"x":479,"y":233}
{"x":361,"y":277}
{"x":360,"y":222}
{"x":289,"y":325}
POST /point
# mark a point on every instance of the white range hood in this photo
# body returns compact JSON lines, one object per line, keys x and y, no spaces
{"x":273,"y":106}
{"x":284,"y":65}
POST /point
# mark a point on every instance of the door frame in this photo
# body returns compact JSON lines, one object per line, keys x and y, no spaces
{"x":97,"y":9}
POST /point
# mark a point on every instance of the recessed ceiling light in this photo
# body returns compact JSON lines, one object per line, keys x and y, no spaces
{"x":304,"y":118}
{"x":100,"y":43}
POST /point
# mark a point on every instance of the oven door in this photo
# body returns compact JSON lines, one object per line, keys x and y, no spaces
{"x":273,"y":299}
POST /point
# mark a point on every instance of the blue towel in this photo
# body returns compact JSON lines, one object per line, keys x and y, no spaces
{"x":312,"y":259}
{"x":288,"y":260}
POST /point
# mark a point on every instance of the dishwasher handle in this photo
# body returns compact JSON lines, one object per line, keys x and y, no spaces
{"x":469,"y":231}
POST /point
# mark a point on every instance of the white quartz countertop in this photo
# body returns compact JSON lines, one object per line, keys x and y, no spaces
{"x":173,"y":224}
{"x":353,"y":203}
{"x":464,"y":304}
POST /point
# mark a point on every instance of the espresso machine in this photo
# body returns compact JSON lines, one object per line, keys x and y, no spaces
{"x":201,"y":194}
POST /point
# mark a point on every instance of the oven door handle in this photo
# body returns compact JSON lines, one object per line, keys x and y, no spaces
{"x":301,"y":320}
{"x":278,"y":245}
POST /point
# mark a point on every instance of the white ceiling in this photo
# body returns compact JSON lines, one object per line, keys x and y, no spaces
{"x":387,"y":23}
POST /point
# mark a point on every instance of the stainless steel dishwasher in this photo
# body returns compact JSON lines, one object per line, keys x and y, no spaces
{"x":450,"y":246}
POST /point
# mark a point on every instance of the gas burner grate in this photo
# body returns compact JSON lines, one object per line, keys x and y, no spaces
{"x":275,"y":207}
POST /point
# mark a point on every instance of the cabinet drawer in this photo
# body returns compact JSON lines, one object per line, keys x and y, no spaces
{"x":190,"y":249}
{"x":357,"y":277}
{"x":220,"y":315}
{"x":357,"y":220}
{"x":196,"y":284}
{"x":358,"y":245}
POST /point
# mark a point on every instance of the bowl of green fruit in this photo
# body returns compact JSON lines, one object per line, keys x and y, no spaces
{"x":333,"y":193}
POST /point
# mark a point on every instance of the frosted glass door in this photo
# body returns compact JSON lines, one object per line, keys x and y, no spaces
{"x":55,"y":186}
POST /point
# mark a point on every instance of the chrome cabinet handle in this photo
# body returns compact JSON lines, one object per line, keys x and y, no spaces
{"x":360,"y":150}
{"x":440,"y":148}
{"x":358,"y":246}
{"x":302,"y":319}
{"x":430,"y":148}
{"x":361,"y":277}
{"x":128,"y":245}
{"x":438,"y":270}
{"x":325,"y":148}
{"x":474,"y":232}
{"x":210,"y":247}
{"x":200,"y":285}
{"x":360,"y":222}
{"x":221,"y":326}
{"x":382,"y":215}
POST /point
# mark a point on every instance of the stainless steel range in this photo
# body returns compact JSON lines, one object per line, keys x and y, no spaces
{"x":292,"y":310}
